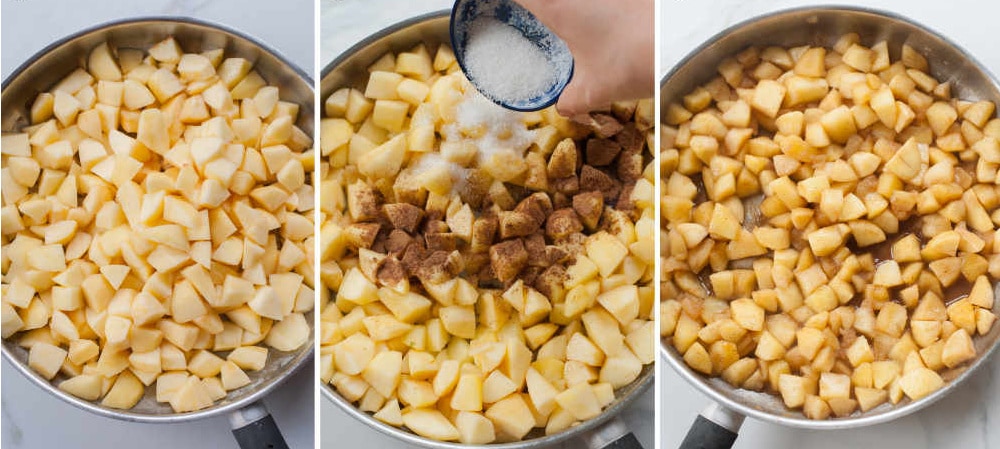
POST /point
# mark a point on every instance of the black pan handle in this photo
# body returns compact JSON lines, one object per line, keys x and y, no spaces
{"x":254,"y":428}
{"x":613,"y":434}
{"x":714,"y":428}
{"x":627,"y":441}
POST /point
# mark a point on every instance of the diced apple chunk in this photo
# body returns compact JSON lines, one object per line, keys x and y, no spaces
{"x":46,"y":359}
{"x":920,"y":382}
{"x":430,"y":423}
{"x":126,"y":392}
{"x":580,"y":401}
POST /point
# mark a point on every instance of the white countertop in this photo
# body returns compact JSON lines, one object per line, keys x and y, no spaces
{"x":969,"y":418}
{"x":343,"y":23}
{"x":33,"y":419}
{"x":30,"y":25}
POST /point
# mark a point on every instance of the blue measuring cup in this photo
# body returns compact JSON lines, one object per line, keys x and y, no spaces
{"x":464,"y":15}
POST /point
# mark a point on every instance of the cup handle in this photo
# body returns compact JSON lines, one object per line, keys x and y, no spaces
{"x":715,"y":428}
{"x":254,"y":428}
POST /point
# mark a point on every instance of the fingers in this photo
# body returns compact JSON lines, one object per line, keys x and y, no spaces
{"x":582,"y":24}
{"x":573,"y":100}
{"x":580,"y":97}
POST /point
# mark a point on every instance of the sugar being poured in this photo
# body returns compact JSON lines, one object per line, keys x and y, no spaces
{"x":504,"y":63}
{"x":490,"y":129}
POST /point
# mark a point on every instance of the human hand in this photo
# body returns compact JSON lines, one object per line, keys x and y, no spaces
{"x":612,"y":46}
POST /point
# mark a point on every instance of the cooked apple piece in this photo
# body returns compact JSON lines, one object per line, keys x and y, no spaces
{"x":816,"y":408}
{"x":768,"y":97}
{"x":887,"y":274}
{"x":833,"y":386}
{"x":811,"y":62}
{"x":981,"y":294}
{"x":793,"y":390}
{"x":866,"y":233}
{"x":825,"y":241}
{"x":723,"y":223}
{"x":906,"y":162}
{"x":941,"y":245}
{"x":958,"y":349}
{"x":920,"y":382}
{"x":869,"y":398}
{"x":748,"y":314}
{"x":941,"y":116}
{"x":698,"y":358}
{"x":839,"y":124}
{"x":769,"y":348}
{"x":803,"y":90}
{"x":984,"y":321}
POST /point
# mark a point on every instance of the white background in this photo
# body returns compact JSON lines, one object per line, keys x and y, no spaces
{"x":34,"y":419}
{"x":969,"y":418}
{"x":343,"y":23}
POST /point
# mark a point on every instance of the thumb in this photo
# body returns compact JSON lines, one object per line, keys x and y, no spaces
{"x":547,"y":11}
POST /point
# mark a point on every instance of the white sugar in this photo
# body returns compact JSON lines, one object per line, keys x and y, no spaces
{"x":493,"y":126}
{"x":505,"y":64}
{"x":430,"y":162}
{"x":490,"y":128}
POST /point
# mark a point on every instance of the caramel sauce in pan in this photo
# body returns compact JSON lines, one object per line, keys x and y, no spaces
{"x":880,"y":252}
{"x":883,"y":252}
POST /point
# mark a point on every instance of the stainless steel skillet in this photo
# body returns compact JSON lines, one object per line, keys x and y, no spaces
{"x":350,"y":70}
{"x":252,"y":425}
{"x":718,"y":425}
